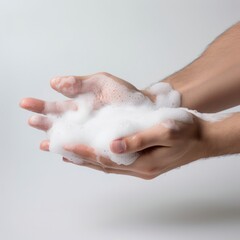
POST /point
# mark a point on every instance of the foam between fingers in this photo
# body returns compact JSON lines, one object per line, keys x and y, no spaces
{"x":125,"y":112}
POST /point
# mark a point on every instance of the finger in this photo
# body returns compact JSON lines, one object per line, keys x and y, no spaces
{"x":59,"y":107}
{"x":135,"y":169}
{"x":43,"y":107}
{"x":69,"y":86}
{"x":109,"y":170}
{"x":72,"y":86}
{"x":158,"y":135}
{"x":140,"y":168}
{"x":83,"y":152}
{"x":88,"y":153}
{"x":45,"y":145}
{"x":33,"y":104}
{"x":40,"y":122}
{"x":66,"y":160}
{"x":82,"y":162}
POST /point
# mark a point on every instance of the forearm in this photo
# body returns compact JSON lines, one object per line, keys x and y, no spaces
{"x":222,"y":137}
{"x":212,"y":82}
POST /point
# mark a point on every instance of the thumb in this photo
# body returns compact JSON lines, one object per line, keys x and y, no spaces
{"x":155,"y":136}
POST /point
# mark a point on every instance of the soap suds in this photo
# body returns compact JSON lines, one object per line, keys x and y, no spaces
{"x":166,"y":96}
{"x":129,"y":112}
{"x":123,"y":112}
{"x":210,"y":117}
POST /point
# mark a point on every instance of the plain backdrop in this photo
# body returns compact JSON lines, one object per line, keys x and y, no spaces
{"x":141,"y":41}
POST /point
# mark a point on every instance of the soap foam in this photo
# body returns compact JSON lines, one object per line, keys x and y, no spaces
{"x":129,"y":112}
{"x":166,"y":96}
{"x":111,"y":113}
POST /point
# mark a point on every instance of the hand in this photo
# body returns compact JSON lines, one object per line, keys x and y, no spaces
{"x":105,"y":87}
{"x":163,"y":147}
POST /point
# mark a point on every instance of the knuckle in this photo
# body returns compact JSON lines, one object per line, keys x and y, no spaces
{"x":104,"y":74}
{"x":135,"y":143}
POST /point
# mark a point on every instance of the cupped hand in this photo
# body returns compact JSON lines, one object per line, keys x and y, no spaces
{"x":105,"y":87}
{"x":163,"y":147}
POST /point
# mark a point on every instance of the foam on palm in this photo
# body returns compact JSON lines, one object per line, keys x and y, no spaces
{"x":117,"y":112}
{"x":110,"y":113}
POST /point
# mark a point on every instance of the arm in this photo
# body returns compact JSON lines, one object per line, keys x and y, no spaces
{"x":212,"y":82}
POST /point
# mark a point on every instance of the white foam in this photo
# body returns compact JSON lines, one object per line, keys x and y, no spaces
{"x":166,"y":96}
{"x":210,"y":117}
{"x":128,"y":113}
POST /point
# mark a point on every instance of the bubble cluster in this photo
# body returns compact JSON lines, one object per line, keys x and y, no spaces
{"x":166,"y":96}
{"x":123,"y":112}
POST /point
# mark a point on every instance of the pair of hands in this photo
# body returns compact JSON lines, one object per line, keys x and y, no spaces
{"x":162,"y":148}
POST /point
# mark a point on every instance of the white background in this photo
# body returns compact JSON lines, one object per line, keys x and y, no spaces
{"x":141,"y":41}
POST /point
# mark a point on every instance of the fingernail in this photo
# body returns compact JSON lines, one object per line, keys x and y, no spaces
{"x":118,"y":146}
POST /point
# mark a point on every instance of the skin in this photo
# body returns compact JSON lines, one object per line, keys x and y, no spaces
{"x":209,"y":84}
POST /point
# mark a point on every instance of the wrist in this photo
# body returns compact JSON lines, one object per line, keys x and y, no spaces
{"x":192,"y":82}
{"x":221,"y":137}
{"x":163,"y":95}
{"x":211,"y":143}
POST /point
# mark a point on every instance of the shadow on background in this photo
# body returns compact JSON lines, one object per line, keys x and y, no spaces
{"x":185,"y":214}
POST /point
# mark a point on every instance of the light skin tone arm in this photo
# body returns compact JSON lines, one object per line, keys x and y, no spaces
{"x":209,"y":84}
